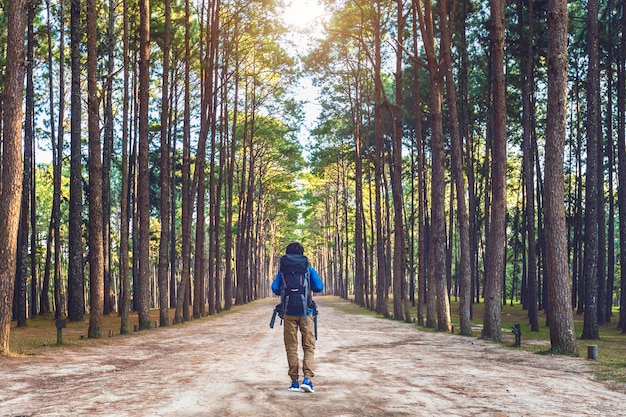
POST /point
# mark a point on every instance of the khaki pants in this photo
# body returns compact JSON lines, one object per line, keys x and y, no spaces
{"x":306,"y":326}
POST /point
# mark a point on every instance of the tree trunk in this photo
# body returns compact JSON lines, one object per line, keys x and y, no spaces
{"x":608,"y":294}
{"x":107,"y":154}
{"x":124,"y":198}
{"x":143,"y":198}
{"x":21,"y":275}
{"x":530,"y":300}
{"x":181,"y":312}
{"x":96,"y":247}
{"x":164,"y":261}
{"x":399,"y":278}
{"x":230,"y":173}
{"x":494,"y":269}
{"x":381,"y":271}
{"x":592,"y":194}
{"x":437,"y":285}
{"x":621,"y":162}
{"x":465,"y":278}
{"x":562,"y":336}
{"x":30,"y":121}
{"x":11,"y":191}
{"x":76,"y":280}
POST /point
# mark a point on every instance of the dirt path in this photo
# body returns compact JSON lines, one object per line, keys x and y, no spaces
{"x":234,"y":365}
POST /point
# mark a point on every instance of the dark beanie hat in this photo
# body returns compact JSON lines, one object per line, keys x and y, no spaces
{"x":295,"y":248}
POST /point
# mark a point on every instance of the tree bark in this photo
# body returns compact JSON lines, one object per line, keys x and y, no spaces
{"x":465,"y":278}
{"x":400,"y":291}
{"x":107,"y":154}
{"x":11,"y":192}
{"x":592,"y":194}
{"x":76,"y":280}
{"x":437,"y":285}
{"x":125,"y":194}
{"x":96,"y":247}
{"x":143,"y":287}
{"x":164,"y":260}
{"x":494,"y":270}
{"x":531,"y":298}
{"x":621,"y":162}
{"x":560,"y":317}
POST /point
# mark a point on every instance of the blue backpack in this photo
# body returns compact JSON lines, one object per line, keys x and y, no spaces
{"x":296,"y":285}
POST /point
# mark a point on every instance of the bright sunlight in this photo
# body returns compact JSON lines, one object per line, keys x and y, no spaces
{"x":303,"y":14}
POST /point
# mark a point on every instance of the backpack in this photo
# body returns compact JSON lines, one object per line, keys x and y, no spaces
{"x":296,"y":285}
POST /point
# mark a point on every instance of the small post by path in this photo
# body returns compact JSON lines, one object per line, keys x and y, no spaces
{"x":61,"y":324}
{"x":592,"y":352}
{"x":517,"y":331}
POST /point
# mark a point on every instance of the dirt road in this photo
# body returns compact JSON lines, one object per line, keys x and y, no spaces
{"x":234,"y":365}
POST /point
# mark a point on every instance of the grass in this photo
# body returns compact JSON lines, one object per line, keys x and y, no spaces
{"x":611,"y":363}
{"x":40,"y":333}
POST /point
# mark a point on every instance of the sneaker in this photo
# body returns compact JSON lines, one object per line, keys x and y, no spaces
{"x":295,"y":387}
{"x":307,"y":385}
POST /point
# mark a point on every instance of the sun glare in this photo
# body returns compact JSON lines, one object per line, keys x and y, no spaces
{"x":302,"y":13}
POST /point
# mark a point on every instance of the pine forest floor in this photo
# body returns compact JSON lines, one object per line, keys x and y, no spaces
{"x":235,"y":365}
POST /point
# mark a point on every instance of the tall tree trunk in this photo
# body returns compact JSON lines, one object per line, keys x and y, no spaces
{"x":422,"y":251}
{"x":360,"y":278}
{"x":30,"y":120}
{"x":381,"y":270}
{"x":107,"y":154}
{"x":621,"y":162}
{"x":562,"y":336}
{"x":21,"y":275}
{"x":466,"y":153}
{"x":11,"y":191}
{"x":181,"y":312}
{"x":125,"y":194}
{"x":143,"y":294}
{"x":437,"y":285}
{"x":96,"y":247}
{"x":494,"y":269}
{"x":530,"y":300}
{"x":399,"y":278}
{"x":465,"y":278}
{"x":608,"y":304}
{"x":164,"y":261}
{"x":592,"y":194}
{"x":76,"y":280}
{"x":578,"y":292}
{"x":57,"y":152}
{"x":228,"y":222}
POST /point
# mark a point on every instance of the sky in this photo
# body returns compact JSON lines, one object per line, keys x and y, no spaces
{"x":305,"y":15}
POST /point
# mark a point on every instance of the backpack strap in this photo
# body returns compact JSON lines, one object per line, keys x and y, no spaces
{"x":307,"y":291}
{"x":284,"y":297}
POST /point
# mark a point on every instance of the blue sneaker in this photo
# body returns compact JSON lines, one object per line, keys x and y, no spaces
{"x":295,"y":387}
{"x":307,"y":385}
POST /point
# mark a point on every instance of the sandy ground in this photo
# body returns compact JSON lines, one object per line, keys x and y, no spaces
{"x":235,"y":365}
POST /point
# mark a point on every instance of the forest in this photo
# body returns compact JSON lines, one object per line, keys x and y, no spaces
{"x":154,"y":156}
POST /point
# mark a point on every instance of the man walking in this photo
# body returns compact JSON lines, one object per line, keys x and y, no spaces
{"x":294,"y":282}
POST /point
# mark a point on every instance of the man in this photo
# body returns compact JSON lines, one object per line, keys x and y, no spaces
{"x":294,"y":282}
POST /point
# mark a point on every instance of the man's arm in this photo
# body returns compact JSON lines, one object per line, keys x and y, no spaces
{"x":317,"y":285}
{"x":276,"y":284}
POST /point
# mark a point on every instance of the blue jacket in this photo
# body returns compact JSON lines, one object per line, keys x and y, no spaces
{"x":316,"y":283}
